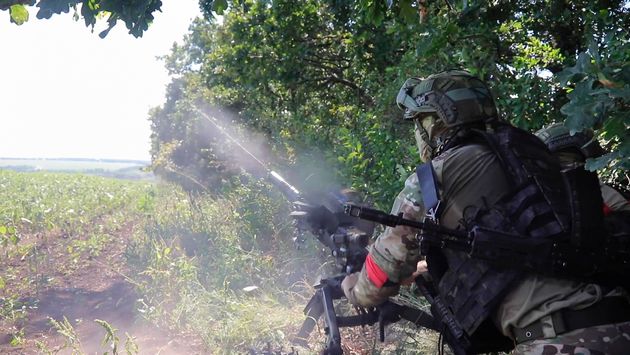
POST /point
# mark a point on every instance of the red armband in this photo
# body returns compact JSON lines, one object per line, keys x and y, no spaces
{"x":374,"y":272}
{"x":607,"y":210}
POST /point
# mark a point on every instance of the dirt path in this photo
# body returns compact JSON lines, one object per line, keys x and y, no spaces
{"x":51,"y":279}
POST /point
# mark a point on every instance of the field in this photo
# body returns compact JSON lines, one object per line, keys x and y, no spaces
{"x":125,"y":169}
{"x":70,"y":164}
{"x":94,"y":265}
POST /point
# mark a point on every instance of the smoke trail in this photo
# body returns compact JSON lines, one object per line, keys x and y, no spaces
{"x":216,"y":124}
{"x":311,"y":172}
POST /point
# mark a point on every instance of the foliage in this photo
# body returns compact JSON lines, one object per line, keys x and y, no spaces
{"x":8,"y":235}
{"x":51,"y":225}
{"x":199,"y":258}
{"x":193,"y":256}
{"x":238,"y":252}
{"x":137,"y":15}
{"x":72,"y":340}
{"x":31,"y":203}
{"x":292,"y":82}
{"x":112,"y":341}
{"x":600,"y":97}
{"x":222,"y":269}
{"x":15,"y":312}
{"x":318,"y":80}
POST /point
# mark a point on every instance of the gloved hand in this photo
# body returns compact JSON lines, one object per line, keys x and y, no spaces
{"x":347,"y":285}
{"x":315,"y":218}
{"x":421,"y":268}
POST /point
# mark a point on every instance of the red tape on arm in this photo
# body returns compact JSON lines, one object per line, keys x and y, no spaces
{"x":607,"y":210}
{"x":374,"y":272}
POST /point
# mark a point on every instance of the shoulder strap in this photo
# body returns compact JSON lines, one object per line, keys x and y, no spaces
{"x":429,"y":191}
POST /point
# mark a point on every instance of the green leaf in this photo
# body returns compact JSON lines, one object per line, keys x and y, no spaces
{"x":594,"y":51}
{"x":19,"y":14}
{"x":15,"y":340}
{"x":219,"y":6}
{"x":584,"y":63}
{"x":584,"y":110}
{"x":49,"y":7}
{"x":614,"y":126}
{"x":3,"y":230}
{"x":623,"y":93}
{"x":582,"y":67}
{"x":105,"y":32}
{"x":408,"y":12}
{"x":89,"y":11}
{"x":601,"y":162}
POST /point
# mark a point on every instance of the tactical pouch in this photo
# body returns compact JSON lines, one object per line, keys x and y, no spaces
{"x":509,"y":250}
{"x":521,"y":229}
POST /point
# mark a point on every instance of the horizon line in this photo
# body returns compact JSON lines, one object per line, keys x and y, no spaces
{"x":106,"y":160}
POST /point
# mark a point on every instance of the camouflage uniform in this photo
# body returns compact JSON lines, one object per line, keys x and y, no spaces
{"x":598,"y":340}
{"x":603,"y":339}
{"x":613,"y":199}
{"x":573,"y":150}
{"x":396,"y":251}
{"x":471,"y":175}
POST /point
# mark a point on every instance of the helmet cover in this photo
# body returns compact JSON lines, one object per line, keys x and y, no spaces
{"x":455,"y":97}
{"x":558,"y":138}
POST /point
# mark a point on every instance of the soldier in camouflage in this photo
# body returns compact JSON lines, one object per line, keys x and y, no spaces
{"x":531,"y":310}
{"x":573,"y":151}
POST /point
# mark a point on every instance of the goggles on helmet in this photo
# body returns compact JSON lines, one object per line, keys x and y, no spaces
{"x":406,"y":102}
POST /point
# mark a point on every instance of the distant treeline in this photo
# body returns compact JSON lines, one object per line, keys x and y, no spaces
{"x":130,"y":173}
{"x":20,"y":168}
{"x":123,"y":161}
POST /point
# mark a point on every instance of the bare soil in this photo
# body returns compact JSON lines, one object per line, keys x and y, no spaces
{"x":52,"y":283}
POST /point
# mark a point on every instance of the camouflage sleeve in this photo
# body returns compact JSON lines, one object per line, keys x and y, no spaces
{"x":395,"y":252}
{"x":613,"y":199}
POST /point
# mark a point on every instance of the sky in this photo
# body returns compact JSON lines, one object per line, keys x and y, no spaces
{"x":67,"y":93}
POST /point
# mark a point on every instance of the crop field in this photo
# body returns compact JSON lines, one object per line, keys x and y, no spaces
{"x":121,"y":169}
{"x":62,"y":241}
{"x":90,"y":264}
{"x":68,"y":164}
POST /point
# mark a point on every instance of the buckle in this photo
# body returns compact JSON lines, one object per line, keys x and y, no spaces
{"x":434,"y":212}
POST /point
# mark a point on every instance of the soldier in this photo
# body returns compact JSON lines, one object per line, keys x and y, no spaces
{"x":572,"y":151}
{"x":472,"y":179}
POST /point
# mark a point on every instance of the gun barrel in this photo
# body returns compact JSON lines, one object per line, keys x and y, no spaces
{"x":289,"y":191}
{"x":455,"y":238}
{"x":380,"y":217}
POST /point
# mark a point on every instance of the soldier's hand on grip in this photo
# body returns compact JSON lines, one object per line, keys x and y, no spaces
{"x":347,"y":285}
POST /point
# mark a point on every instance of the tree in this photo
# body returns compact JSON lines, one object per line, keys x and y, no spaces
{"x":137,"y":15}
{"x":319,"y":78}
{"x":307,"y":79}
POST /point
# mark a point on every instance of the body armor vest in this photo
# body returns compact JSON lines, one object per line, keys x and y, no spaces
{"x":537,"y":208}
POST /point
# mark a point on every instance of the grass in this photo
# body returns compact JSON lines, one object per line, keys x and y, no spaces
{"x":51,"y":224}
{"x":194,"y":269}
{"x":70,"y":203}
{"x":222,"y":271}
{"x":72,"y":341}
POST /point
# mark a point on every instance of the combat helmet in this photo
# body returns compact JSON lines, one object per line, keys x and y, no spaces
{"x":570,"y":148}
{"x":455,"y":96}
{"x":451,"y":100}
